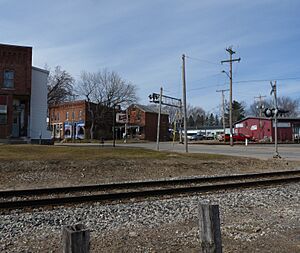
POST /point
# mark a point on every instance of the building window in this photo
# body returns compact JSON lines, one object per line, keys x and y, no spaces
{"x":3,"y":114}
{"x":8,"y":79}
{"x":58,"y":116}
{"x":80,"y":115}
{"x":73,"y":115}
{"x":67,"y":115}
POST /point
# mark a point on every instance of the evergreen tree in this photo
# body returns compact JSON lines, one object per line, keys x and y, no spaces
{"x":217,"y":122}
{"x":191,"y":122}
{"x":211,"y":120}
{"x":199,"y":121}
{"x":206,"y":121}
{"x":238,"y":112}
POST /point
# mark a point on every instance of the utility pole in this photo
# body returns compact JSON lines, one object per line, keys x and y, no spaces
{"x":231,"y":52}
{"x":260,"y":98}
{"x":158,"y":120}
{"x":274,"y":91}
{"x":180,"y":122}
{"x":184,"y":103}
{"x":223,"y":110}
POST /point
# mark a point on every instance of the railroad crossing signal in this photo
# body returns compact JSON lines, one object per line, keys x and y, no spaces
{"x":271,"y":112}
{"x":166,"y":100}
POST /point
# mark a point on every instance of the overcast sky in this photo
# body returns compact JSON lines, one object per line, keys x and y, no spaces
{"x":143,"y":40}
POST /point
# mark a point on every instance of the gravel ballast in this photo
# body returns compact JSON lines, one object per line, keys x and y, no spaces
{"x":252,"y":220}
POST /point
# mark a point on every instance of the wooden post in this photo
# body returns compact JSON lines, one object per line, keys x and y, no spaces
{"x":76,"y":239}
{"x":209,"y":228}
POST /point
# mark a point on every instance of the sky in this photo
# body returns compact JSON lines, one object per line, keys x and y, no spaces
{"x":143,"y":41}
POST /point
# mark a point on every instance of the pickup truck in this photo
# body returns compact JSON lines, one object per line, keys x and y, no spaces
{"x":235,"y":137}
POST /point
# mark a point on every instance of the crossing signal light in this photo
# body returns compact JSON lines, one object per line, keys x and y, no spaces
{"x":269,"y":112}
{"x":154,"y":97}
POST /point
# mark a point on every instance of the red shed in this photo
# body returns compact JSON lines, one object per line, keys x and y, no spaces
{"x":263,"y":128}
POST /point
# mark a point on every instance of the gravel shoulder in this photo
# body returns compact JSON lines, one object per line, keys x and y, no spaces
{"x":252,"y":220}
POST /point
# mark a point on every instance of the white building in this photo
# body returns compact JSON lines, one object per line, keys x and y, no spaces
{"x":38,"y":132}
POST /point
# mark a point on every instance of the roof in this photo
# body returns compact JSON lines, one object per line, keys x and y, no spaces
{"x":264,"y":118}
{"x":68,"y":103}
{"x":10,"y":45}
{"x":41,"y":70}
{"x":148,"y":109}
{"x":206,"y":128}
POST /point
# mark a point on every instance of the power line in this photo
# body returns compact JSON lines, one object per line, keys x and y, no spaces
{"x":267,"y":80}
{"x":205,"y":87}
{"x":202,"y":60}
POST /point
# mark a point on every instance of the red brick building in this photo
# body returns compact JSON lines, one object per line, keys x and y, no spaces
{"x":288,"y":129}
{"x":142,"y":122}
{"x":68,"y":120}
{"x":15,"y":90}
{"x":72,"y":120}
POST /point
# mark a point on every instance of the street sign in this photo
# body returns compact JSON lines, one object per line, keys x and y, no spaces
{"x":121,"y":118}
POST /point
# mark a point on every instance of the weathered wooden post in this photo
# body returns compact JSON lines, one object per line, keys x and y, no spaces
{"x":209,"y":228}
{"x":76,"y":239}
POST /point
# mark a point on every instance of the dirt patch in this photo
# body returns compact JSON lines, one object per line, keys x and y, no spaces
{"x":19,"y":174}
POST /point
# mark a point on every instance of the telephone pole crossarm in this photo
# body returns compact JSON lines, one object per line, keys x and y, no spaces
{"x":238,"y":60}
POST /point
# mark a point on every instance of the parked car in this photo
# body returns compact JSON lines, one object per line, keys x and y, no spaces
{"x":194,"y":137}
{"x":235,"y":137}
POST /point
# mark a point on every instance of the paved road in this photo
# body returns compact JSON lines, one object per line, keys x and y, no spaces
{"x":263,"y":151}
{"x":286,"y":151}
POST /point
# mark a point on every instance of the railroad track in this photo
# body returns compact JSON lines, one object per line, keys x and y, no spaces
{"x":120,"y":191}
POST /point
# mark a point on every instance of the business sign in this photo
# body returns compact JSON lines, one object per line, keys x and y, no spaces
{"x":282,"y":124}
{"x":253,"y":127}
{"x":240,"y":125}
{"x":121,"y":118}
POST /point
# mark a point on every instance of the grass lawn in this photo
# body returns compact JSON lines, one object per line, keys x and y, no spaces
{"x":43,"y":152}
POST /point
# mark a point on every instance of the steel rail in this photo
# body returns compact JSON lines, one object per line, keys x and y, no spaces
{"x":150,"y":183}
{"x":143,"y":193}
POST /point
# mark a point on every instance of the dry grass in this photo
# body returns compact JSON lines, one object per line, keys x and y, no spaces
{"x":37,"y":152}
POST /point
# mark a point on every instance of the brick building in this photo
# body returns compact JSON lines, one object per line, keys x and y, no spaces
{"x":288,"y":129}
{"x":22,"y":115}
{"x":72,"y":120}
{"x":142,"y":123}
{"x":15,"y":90}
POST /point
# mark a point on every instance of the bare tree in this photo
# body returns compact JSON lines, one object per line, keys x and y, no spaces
{"x":290,"y":105}
{"x":60,"y":86}
{"x":104,"y":89}
{"x":284,"y":103}
{"x":194,"y":111}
